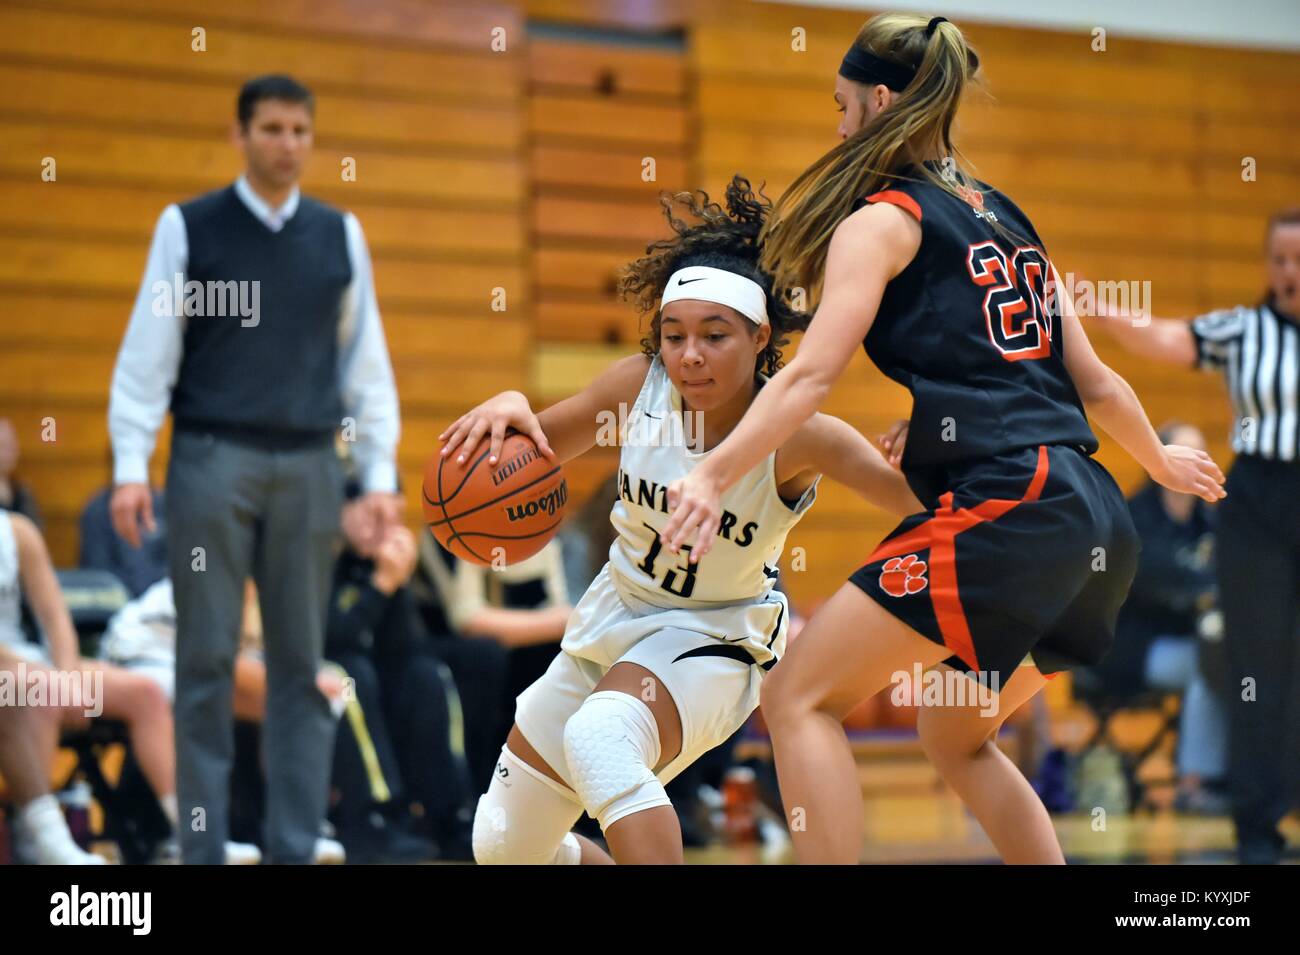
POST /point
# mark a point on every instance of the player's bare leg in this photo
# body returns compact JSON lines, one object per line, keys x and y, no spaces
{"x":142,"y":705}
{"x":846,"y":653}
{"x":22,"y":745}
{"x":961,"y":742}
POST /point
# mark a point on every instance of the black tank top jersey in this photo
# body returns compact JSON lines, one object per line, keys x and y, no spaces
{"x":966,"y":328}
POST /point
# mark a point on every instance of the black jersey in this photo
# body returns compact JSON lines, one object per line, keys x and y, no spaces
{"x":968,"y":329}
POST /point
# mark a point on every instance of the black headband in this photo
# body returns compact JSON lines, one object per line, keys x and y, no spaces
{"x":862,"y":66}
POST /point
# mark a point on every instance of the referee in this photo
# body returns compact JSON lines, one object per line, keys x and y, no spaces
{"x":256,"y":325}
{"x":1257,"y":348}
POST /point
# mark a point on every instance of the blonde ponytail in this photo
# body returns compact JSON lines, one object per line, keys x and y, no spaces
{"x":917,"y":125}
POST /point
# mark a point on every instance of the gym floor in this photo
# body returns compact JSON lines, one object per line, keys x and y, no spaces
{"x":911,"y":817}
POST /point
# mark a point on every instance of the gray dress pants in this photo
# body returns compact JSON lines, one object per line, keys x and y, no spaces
{"x":235,"y":511}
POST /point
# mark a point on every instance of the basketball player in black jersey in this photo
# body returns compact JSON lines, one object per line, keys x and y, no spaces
{"x":1024,"y":552}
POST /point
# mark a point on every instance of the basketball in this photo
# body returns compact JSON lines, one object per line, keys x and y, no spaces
{"x":486,"y":514}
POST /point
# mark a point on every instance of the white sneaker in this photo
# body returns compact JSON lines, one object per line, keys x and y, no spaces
{"x":237,"y":853}
{"x":41,"y":836}
{"x":243,"y":853}
{"x":329,"y":852}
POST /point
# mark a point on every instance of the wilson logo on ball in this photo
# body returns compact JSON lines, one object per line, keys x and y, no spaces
{"x":507,"y":468}
{"x":548,"y":504}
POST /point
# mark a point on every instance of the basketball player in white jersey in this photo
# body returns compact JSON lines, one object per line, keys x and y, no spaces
{"x":662,"y":659}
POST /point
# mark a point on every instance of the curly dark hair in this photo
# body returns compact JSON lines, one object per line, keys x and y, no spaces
{"x":721,"y":239}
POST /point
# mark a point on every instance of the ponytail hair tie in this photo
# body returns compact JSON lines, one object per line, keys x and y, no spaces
{"x":934,"y":22}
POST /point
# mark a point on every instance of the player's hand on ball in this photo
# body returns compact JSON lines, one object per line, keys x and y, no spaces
{"x":893,"y":442}
{"x":695,"y":505}
{"x":1190,"y":471}
{"x":510,"y":409}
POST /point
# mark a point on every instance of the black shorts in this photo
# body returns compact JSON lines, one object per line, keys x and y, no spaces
{"x":1032,"y":551}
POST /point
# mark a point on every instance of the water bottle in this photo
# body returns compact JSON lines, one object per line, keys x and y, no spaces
{"x":740,"y":804}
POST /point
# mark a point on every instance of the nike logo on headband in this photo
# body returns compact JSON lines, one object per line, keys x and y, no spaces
{"x":721,"y":286}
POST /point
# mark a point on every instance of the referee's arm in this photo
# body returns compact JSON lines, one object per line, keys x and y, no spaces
{"x":365,"y":372}
{"x":1162,"y":339}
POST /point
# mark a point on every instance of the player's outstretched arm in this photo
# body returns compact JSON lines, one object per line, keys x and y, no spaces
{"x":869,"y":248}
{"x":1112,"y":404}
{"x":564,"y":430}
{"x":833,"y":447}
{"x":1160,"y":339}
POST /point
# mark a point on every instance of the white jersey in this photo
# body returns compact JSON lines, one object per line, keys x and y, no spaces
{"x":755,"y":520}
{"x":11,"y":614}
{"x":655,"y":451}
{"x":643,"y":588}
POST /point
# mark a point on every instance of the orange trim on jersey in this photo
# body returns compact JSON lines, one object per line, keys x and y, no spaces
{"x":896,"y":198}
{"x":939,"y":535}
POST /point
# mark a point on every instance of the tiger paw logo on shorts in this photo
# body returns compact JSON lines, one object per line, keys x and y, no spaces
{"x":903,"y":575}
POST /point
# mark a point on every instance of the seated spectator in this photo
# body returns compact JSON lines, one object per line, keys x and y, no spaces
{"x":14,"y":495}
{"x":404,"y":746}
{"x":103,"y":549}
{"x":1157,"y":643}
{"x":37,"y":828}
{"x":509,"y":622}
{"x":134,"y":699}
{"x":141,"y":638}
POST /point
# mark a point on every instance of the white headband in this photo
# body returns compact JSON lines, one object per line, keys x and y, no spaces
{"x":718,"y":285}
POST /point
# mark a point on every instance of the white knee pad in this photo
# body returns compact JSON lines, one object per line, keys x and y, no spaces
{"x":524,"y":818}
{"x":611,"y":745}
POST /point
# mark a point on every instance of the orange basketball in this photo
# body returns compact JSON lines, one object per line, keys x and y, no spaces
{"x":493,"y":514}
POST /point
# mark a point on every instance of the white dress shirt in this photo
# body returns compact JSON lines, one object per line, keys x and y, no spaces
{"x":150,"y":356}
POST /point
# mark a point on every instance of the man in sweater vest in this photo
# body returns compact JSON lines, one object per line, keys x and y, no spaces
{"x":257,"y":326}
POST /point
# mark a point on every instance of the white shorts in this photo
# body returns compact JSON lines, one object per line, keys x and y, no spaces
{"x":713,"y":679}
{"x":609,"y":620}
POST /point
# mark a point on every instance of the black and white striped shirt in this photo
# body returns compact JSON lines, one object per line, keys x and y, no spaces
{"x":1259,"y":352}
